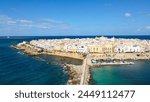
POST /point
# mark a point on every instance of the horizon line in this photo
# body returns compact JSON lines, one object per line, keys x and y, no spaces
{"x":75,"y":35}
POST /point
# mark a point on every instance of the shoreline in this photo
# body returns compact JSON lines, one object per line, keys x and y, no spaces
{"x":74,"y":71}
{"x":80,"y":74}
{"x":74,"y":74}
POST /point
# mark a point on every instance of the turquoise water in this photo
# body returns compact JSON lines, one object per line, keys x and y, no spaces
{"x":137,"y":74}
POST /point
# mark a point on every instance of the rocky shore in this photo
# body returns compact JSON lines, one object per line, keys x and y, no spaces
{"x":74,"y":73}
{"x":28,"y":49}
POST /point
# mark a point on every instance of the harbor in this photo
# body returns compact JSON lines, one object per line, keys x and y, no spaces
{"x":108,"y":62}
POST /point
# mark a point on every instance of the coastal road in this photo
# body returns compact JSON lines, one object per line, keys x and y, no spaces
{"x":84,"y":75}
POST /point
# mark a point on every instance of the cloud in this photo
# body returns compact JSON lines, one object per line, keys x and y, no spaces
{"x":24,"y":21}
{"x":139,"y":29}
{"x":148,"y":14}
{"x":127,"y":14}
{"x":43,"y":24}
{"x":5,"y":20}
{"x":11,"y":22}
{"x":144,"y":29}
{"x":147,"y":27}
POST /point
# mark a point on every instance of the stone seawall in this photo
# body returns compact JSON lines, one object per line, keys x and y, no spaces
{"x":31,"y":50}
{"x":65,"y":54}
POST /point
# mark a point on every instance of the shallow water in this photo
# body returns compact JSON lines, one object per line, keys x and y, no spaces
{"x":137,"y":74}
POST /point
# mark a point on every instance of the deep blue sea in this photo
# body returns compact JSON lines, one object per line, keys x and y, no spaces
{"x":17,"y":68}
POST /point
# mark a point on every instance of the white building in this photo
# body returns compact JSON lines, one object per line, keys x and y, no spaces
{"x":82,"y":49}
{"x":128,"y":49}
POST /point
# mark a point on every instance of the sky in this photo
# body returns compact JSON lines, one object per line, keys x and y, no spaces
{"x":74,"y":17}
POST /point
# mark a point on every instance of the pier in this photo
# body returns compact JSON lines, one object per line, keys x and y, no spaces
{"x":85,"y":72}
{"x":113,"y":64}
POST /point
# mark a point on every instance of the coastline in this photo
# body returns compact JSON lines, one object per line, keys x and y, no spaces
{"x":80,"y":74}
{"x":73,"y":73}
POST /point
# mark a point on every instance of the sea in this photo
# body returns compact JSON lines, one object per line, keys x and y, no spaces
{"x":17,"y":68}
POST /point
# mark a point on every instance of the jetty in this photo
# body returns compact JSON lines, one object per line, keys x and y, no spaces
{"x":85,"y":73}
{"x":105,"y":62}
